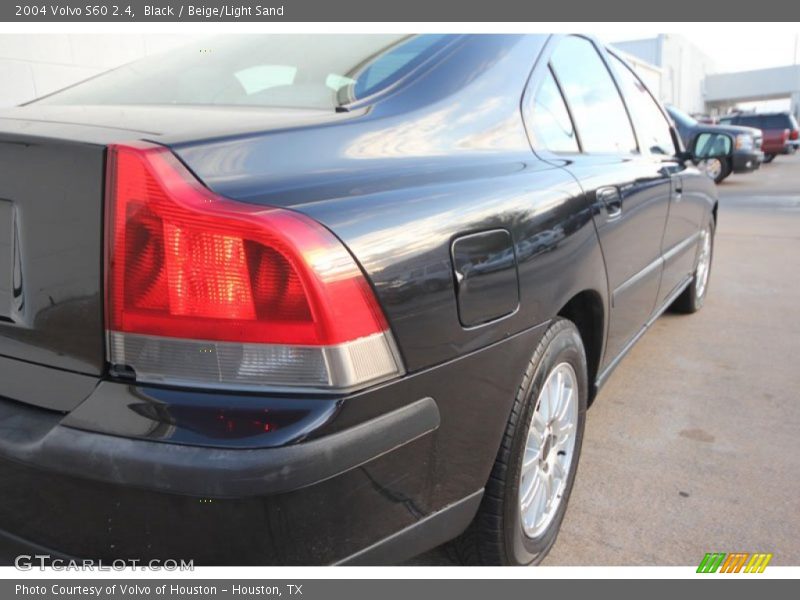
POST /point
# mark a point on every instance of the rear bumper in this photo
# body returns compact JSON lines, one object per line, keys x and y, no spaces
{"x":38,"y":439}
{"x":143,"y":473}
{"x":746,"y":162}
{"x":343,"y":497}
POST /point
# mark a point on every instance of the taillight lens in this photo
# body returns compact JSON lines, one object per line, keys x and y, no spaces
{"x":206,"y":290}
{"x":795,"y":134}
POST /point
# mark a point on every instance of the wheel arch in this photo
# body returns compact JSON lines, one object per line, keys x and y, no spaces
{"x":585,"y":309}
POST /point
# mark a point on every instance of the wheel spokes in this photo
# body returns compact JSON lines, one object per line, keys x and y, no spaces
{"x":548,"y":451}
{"x":532,"y":491}
{"x":558,"y":470}
{"x":563,"y":434}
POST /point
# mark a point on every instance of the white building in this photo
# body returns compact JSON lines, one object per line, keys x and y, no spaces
{"x":683,"y":68}
{"x":763,"y":86}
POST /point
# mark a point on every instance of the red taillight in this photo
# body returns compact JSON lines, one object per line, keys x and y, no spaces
{"x":187,"y":264}
{"x":795,"y":134}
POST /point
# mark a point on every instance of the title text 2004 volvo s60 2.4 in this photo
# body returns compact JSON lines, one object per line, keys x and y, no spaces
{"x":329,"y":299}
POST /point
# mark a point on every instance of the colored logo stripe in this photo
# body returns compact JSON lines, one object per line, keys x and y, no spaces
{"x":711,"y":562}
{"x":758,"y":563}
{"x":733,"y":563}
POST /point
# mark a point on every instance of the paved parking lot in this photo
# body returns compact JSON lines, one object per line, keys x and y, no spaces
{"x":694,"y":444}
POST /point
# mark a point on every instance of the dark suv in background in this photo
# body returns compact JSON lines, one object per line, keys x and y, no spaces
{"x":745,"y":155}
{"x":781,"y":131}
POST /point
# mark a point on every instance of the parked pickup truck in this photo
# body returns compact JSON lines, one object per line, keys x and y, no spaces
{"x":331,"y":299}
{"x":745,"y":157}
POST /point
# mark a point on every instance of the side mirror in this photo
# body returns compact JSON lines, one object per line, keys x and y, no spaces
{"x":711,"y":145}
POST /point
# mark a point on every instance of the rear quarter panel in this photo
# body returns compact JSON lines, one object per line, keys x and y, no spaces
{"x":445,"y":156}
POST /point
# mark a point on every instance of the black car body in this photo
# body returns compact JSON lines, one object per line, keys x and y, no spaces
{"x":746,"y":156}
{"x":471,"y":235}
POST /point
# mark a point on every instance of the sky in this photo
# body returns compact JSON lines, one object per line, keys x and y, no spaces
{"x":761,"y":51}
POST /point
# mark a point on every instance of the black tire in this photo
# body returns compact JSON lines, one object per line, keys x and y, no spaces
{"x":727,"y":169}
{"x":496,"y":537}
{"x":768,"y":158}
{"x":692,"y":299}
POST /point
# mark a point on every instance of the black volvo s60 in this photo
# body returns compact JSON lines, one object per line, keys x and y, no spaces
{"x":329,"y":299}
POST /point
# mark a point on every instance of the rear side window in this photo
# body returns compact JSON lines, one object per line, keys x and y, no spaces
{"x":776,"y":122}
{"x":295,"y":71}
{"x":756,"y":122}
{"x":594,"y":101}
{"x":651,"y":126}
{"x":548,"y":119}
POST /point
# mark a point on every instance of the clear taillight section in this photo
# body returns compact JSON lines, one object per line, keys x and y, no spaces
{"x":202,"y":290}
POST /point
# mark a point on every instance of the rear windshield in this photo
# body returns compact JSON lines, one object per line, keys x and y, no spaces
{"x":296,"y":71}
{"x":750,"y":122}
{"x":775,"y":122}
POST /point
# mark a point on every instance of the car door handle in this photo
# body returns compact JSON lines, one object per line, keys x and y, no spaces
{"x":612,"y":200}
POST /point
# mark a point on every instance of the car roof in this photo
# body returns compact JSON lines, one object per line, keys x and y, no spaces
{"x":773,"y":113}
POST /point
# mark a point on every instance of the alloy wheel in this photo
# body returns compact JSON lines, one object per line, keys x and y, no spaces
{"x":703,"y":263}
{"x":549,"y":450}
{"x":712,"y":168}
